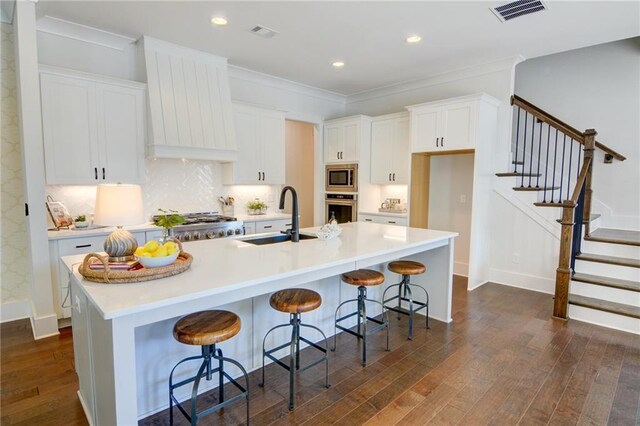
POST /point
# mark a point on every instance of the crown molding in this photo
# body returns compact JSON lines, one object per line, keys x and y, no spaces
{"x":436,"y":79}
{"x":72,"y":30}
{"x":280,"y":83}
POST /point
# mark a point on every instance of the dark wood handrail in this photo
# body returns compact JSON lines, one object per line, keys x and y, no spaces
{"x":568,"y":130}
{"x":581,"y":179}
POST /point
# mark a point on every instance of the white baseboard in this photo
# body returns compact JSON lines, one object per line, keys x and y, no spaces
{"x":528,"y":282}
{"x":45,"y":326}
{"x":12,"y":311}
{"x":85,"y":409}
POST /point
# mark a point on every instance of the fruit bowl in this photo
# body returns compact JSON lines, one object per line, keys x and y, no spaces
{"x":154,"y":255}
{"x":156,"y":262}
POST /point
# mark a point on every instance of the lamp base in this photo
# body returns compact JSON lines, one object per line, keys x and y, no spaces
{"x":120,"y":245}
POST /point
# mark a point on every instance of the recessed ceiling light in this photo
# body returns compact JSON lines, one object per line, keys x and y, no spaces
{"x":412,"y":39}
{"x":219,"y":20}
{"x":338,"y":64}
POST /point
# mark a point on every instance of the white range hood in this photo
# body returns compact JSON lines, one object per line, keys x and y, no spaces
{"x":189,"y":103}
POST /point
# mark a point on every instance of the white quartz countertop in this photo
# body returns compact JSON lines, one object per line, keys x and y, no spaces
{"x":229,"y":264}
{"x":104,"y":230}
{"x":79,"y":233}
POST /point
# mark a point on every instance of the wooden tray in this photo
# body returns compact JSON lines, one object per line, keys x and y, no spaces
{"x":108,"y":276}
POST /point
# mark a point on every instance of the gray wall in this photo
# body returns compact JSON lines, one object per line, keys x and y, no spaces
{"x":596,"y":87}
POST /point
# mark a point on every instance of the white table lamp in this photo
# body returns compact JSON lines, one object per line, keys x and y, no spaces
{"x":119,"y":205}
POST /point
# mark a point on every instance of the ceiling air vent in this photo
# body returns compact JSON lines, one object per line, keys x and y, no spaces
{"x":512,"y":10}
{"x":263,"y":31}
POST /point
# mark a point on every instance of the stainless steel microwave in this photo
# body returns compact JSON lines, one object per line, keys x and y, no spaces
{"x":341,"y":178}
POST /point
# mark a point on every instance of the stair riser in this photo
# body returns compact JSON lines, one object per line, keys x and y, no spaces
{"x":619,"y":250}
{"x":606,"y":270}
{"x":620,"y":322}
{"x":610,"y":294}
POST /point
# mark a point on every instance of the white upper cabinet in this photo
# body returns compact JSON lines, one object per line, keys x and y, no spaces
{"x":260,"y":139}
{"x":390,"y":149}
{"x":342,"y":138}
{"x":93,"y":128}
{"x":448,"y":125}
{"x":189,"y":103}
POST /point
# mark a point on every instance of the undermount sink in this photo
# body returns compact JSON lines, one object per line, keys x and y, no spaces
{"x":272,"y":239}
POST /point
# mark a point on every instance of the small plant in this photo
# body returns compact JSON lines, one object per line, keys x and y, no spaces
{"x":168,"y":219}
{"x":80,"y":218}
{"x":256,"y":204}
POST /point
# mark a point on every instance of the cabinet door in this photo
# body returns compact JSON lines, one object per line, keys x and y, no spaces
{"x":350,"y":142}
{"x":69,"y":129}
{"x":382,"y":143}
{"x":271,"y":147}
{"x":121,"y":133}
{"x":333,"y":142}
{"x":458,"y":126}
{"x":273,"y":225}
{"x":400,"y":152}
{"x":425,"y":128}
{"x":247,"y":169}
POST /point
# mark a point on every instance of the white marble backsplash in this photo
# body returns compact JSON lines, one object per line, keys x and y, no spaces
{"x":182,"y":185}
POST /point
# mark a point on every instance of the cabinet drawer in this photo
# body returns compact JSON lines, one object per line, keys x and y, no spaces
{"x":272,"y":225}
{"x":387,"y":220}
{"x":81,"y":245}
{"x":249,"y":228}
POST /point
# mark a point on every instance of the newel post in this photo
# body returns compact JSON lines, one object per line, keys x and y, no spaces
{"x":589,"y":148}
{"x":563,"y":273}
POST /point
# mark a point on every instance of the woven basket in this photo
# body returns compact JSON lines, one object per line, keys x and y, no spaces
{"x":108,"y":276}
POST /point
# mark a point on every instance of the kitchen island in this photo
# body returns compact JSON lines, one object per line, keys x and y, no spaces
{"x":123,"y":344}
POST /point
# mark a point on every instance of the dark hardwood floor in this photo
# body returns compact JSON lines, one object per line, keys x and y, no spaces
{"x":502,"y":361}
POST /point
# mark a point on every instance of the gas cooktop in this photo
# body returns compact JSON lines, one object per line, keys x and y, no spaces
{"x":207,"y":225}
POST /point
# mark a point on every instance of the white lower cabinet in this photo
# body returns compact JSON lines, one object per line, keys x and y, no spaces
{"x":273,"y":225}
{"x":59,"y":276}
{"x":387,"y":220}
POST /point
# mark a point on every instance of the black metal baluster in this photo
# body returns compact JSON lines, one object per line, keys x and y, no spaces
{"x":579,"y":159}
{"x":546,"y":165}
{"x":570,"y":161}
{"x":524,"y":149}
{"x":539,"y":155}
{"x":533,"y":129}
{"x":515,"y":165}
{"x":564,"y":143}
{"x":555,"y":155}
{"x":576,"y":246}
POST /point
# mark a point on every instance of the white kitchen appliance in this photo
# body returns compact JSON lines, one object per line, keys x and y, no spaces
{"x":207,"y":226}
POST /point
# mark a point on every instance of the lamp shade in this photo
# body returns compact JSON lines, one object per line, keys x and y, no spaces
{"x":118,"y":205}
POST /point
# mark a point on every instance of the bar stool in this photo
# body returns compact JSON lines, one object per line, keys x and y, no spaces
{"x":363,"y":278}
{"x":295,"y":301}
{"x":406,"y":268}
{"x":206,"y":329}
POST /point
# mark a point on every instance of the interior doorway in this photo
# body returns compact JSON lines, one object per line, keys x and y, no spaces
{"x":441,"y":198}
{"x":300,"y":166}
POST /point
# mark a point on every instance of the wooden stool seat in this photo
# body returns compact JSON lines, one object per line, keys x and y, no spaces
{"x":407,"y":267}
{"x":363,"y":277}
{"x":295,"y":300}
{"x":206,"y":328}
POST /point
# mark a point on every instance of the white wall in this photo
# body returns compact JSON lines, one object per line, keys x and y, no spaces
{"x":596,"y":87}
{"x":451,"y":177}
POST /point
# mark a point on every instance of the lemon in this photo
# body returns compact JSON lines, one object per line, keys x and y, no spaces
{"x":151,"y":246}
{"x":172,"y":250}
{"x":140,"y":251}
{"x":169,"y":244}
{"x":161,"y":252}
{"x":144,"y":254}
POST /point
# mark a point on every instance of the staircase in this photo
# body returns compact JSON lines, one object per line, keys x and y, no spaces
{"x":598,"y":268}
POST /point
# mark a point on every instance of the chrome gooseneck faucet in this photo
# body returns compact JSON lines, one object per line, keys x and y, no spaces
{"x":295,"y":225}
